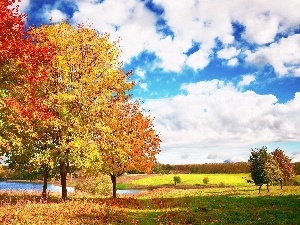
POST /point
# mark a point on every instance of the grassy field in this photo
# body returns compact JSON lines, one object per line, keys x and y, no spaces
{"x":204,"y":204}
{"x":194,"y":179}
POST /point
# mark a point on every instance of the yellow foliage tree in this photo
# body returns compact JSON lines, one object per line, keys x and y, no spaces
{"x":85,"y":77}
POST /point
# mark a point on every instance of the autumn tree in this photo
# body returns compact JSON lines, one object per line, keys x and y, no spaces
{"x":285,"y":166}
{"x":126,"y":140}
{"x":23,"y":70}
{"x":85,"y":76}
{"x":264,"y":169}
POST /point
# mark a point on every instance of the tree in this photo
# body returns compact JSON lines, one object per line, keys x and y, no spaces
{"x":177,"y":180}
{"x":85,"y":76}
{"x":264,"y":169}
{"x":23,"y":70}
{"x":285,"y":166}
{"x":125,"y":141}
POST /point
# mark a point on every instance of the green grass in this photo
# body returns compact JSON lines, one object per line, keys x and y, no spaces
{"x":121,"y":186}
{"x":239,"y":205}
{"x":194,"y":179}
{"x":298,"y":178}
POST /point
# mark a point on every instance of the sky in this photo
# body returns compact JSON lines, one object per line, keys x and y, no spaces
{"x":219,"y":77}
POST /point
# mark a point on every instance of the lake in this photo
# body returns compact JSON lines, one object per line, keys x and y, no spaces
{"x":28,"y":186}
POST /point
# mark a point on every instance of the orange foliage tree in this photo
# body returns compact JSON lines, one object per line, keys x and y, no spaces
{"x":126,"y":140}
{"x":285,"y":166}
{"x":23,"y":70}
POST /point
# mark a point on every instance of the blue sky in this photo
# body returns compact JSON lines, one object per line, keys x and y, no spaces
{"x":219,"y":76}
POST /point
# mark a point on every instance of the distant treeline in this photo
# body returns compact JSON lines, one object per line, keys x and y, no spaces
{"x":206,"y":168}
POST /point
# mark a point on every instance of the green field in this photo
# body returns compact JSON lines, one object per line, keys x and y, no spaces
{"x":194,"y":179}
{"x":164,"y":205}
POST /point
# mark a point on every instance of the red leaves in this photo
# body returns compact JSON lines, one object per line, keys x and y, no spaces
{"x":24,"y":65}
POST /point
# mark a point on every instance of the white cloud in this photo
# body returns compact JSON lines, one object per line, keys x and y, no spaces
{"x":128,"y":19}
{"x":140,"y":72}
{"x":246,"y":80}
{"x":215,"y":117}
{"x":192,"y":21}
{"x":23,"y":5}
{"x":144,"y":86}
{"x":55,"y":15}
{"x":255,"y":22}
{"x":228,"y":53}
{"x":198,"y":60}
{"x":284,"y":56}
{"x":232,"y":62}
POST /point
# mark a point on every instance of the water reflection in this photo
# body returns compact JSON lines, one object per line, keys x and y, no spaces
{"x":28,"y":186}
{"x":128,"y":191}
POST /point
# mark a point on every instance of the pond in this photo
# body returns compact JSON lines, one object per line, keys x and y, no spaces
{"x":128,"y":191}
{"x":28,"y":186}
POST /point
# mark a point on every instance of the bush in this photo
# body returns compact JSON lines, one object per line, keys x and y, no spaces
{"x":205,"y":180}
{"x":222,"y":184}
{"x":296,"y":183}
{"x":100,"y":185}
{"x":177,"y":180}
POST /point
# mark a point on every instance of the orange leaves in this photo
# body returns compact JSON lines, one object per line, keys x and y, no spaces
{"x":29,"y":209}
{"x":132,"y":142}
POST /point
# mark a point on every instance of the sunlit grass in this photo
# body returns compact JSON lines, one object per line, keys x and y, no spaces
{"x":194,"y":179}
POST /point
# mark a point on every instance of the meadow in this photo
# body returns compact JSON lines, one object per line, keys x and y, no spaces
{"x":191,"y":202}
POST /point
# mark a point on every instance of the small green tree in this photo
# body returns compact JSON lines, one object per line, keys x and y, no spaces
{"x":205,"y":180}
{"x":264,"y":169}
{"x":177,"y":180}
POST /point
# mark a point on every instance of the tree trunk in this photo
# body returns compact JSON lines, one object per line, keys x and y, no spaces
{"x":281,"y":184}
{"x":114,"y":183}
{"x":268,"y":187}
{"x":44,"y":193}
{"x":63,"y":179}
{"x":259,"y":189}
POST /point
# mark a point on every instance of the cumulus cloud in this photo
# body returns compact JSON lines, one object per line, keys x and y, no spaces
{"x":140,"y":72}
{"x":232,"y":62}
{"x":144,"y":86}
{"x":228,"y":53}
{"x":214,"y":116}
{"x":246,"y":80}
{"x":283,"y":56}
{"x":201,"y":22}
{"x":55,"y":15}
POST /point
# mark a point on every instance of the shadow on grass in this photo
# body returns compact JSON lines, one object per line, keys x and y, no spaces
{"x":221,"y":208}
{"x":208,"y":209}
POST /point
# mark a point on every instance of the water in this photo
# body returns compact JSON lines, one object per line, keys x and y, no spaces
{"x":27,"y":186}
{"x":128,"y":191}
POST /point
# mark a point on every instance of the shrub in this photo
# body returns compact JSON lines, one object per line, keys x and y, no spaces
{"x":177,"y":179}
{"x":100,"y":185}
{"x":222,"y":184}
{"x":296,"y":183}
{"x":205,"y":180}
